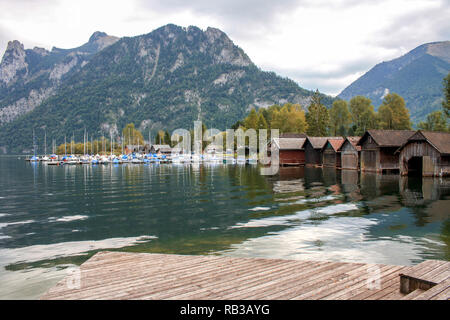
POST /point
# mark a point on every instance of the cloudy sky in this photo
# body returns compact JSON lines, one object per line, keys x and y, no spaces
{"x":320,"y":44}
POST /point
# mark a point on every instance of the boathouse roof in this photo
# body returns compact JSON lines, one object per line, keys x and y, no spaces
{"x":335,"y":143}
{"x":353,"y":141}
{"x":387,"y":138}
{"x":439,"y":140}
{"x":289,"y":143}
{"x":319,"y":142}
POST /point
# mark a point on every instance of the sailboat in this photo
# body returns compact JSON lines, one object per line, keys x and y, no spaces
{"x":34,"y":158}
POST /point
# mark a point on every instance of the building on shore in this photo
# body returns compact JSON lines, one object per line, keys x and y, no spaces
{"x":331,"y":154}
{"x":350,"y":153}
{"x":378,"y":149}
{"x":134,"y":148}
{"x":161,"y":149}
{"x":290,"y":150}
{"x":313,"y":150}
{"x":425,"y":154}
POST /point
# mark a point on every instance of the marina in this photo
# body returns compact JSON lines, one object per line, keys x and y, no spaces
{"x":55,"y":218}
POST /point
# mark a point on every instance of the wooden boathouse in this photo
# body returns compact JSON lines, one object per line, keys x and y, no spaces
{"x":313,"y":150}
{"x":290,"y":150}
{"x":350,"y":153}
{"x":378,"y":149}
{"x":331,"y":154}
{"x":161,"y":148}
{"x":425,"y":154}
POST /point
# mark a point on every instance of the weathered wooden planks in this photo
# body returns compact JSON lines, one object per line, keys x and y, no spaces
{"x":424,"y":275}
{"x":119,"y":275}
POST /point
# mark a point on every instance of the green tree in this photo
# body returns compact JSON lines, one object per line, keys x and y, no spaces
{"x":393,"y":114}
{"x":131,"y":135}
{"x":340,"y":118}
{"x":363,"y":115}
{"x":446,"y":102}
{"x":317,"y":117}
{"x":251,"y":121}
{"x":436,"y":121}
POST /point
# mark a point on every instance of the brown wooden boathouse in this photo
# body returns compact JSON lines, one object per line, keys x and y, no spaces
{"x":313,"y":150}
{"x":331,"y":155}
{"x":425,"y":153}
{"x":378,"y":149}
{"x":350,"y":153}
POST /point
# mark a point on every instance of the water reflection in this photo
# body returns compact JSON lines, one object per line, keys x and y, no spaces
{"x":52,"y":217}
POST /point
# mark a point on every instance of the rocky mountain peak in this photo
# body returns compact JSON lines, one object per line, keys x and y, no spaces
{"x":15,"y":45}
{"x":101,"y":40}
{"x":97,"y":35}
{"x":41,"y":51}
{"x":13,"y":60}
{"x":214,"y":34}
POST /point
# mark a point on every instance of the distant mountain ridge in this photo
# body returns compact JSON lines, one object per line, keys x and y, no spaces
{"x":28,"y":77}
{"x":165,"y":79}
{"x":417,"y":76}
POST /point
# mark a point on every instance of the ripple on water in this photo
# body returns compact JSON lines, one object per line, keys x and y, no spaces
{"x":68,"y":218}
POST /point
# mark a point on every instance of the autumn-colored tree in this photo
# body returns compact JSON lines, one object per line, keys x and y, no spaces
{"x":340,"y":118}
{"x":251,"y":121}
{"x":262,"y":123}
{"x":317,"y":117}
{"x":393,"y":114}
{"x":131,"y":135}
{"x":290,"y":118}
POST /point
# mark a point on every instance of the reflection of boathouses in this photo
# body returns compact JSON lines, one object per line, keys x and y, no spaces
{"x":382,"y":151}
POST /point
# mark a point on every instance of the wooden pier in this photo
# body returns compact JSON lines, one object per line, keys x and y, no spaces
{"x":120,"y":275}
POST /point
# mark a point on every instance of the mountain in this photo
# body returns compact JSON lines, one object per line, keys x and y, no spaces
{"x":417,"y":76}
{"x":28,"y":77}
{"x":165,"y":79}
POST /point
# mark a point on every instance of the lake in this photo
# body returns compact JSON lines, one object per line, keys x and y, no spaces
{"x":52,"y":217}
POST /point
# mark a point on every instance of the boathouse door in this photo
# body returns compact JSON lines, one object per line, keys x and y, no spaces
{"x":415,"y":166}
{"x":350,"y":161}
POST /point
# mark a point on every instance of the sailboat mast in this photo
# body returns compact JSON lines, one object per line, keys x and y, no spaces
{"x":45,"y":142}
{"x":34,"y":145}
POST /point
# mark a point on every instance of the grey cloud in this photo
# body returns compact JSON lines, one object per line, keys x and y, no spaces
{"x":327,"y":81}
{"x":240,"y":18}
{"x":415,"y":28}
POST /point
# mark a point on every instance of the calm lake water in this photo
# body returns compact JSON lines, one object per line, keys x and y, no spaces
{"x":54,"y":217}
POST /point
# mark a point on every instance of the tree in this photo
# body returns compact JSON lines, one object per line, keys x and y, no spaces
{"x":159,"y":138}
{"x":167,"y":138}
{"x":393,"y":114}
{"x":340,"y":118}
{"x":317,"y":117}
{"x":251,"y":121}
{"x":131,"y":135}
{"x":363,"y":115}
{"x":290,"y":118}
{"x":262,"y":123}
{"x":436,"y":121}
{"x":446,"y":102}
